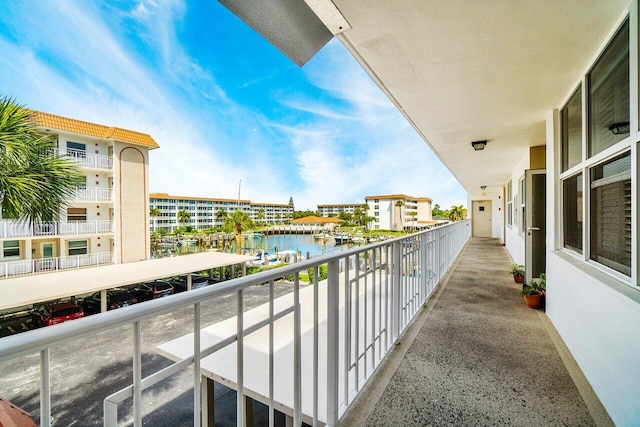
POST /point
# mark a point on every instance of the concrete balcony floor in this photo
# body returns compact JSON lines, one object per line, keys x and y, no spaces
{"x":477,"y":355}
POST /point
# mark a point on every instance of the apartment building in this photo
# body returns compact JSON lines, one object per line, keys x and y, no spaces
{"x":335,"y":209}
{"x":399,"y":211}
{"x":206,"y":212}
{"x":105,"y":220}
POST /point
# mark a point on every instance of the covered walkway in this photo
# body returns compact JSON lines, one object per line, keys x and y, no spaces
{"x":477,"y":355}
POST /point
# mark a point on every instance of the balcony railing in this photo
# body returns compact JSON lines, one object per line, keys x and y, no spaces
{"x":370,"y":296}
{"x":43,"y":265}
{"x":92,"y":194}
{"x":15,"y":229}
{"x":84,"y":159}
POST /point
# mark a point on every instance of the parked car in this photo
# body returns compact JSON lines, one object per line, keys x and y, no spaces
{"x":151,"y":290}
{"x":14,"y":323}
{"x":58,"y":312}
{"x":116,"y":298}
{"x":197,"y":281}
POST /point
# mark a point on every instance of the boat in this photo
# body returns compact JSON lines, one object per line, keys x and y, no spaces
{"x":343,"y":238}
{"x":359,"y":239}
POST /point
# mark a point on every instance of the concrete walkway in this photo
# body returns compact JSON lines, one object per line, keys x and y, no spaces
{"x":478,"y":356}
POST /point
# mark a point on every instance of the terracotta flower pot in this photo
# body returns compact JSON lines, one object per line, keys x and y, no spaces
{"x":519,"y":278}
{"x":533,"y":301}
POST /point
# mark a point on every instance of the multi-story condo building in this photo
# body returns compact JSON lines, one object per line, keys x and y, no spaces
{"x":205,"y":212}
{"x":399,"y":211}
{"x":105,"y":220}
{"x":335,"y":209}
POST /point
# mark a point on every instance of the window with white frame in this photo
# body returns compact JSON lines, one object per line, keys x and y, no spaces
{"x":78,"y":247}
{"x":509,"y":197}
{"x":522,"y":208}
{"x":596,"y":183}
{"x":571,"y":116}
{"x":11,"y":248}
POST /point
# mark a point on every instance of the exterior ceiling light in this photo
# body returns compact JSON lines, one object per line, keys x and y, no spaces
{"x":621,"y":128}
{"x":479,"y":145}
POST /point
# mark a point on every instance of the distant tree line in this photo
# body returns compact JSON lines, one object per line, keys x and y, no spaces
{"x":456,"y":213}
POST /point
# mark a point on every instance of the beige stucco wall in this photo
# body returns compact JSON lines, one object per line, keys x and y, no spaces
{"x":131,"y":177}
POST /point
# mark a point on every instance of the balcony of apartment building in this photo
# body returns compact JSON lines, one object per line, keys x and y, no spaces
{"x":425,"y":329}
{"x":19,"y":230}
{"x":48,"y":263}
{"x":92,"y":194}
{"x":84,"y":159}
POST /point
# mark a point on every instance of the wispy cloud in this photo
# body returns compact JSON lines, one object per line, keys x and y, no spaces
{"x":332,"y":137}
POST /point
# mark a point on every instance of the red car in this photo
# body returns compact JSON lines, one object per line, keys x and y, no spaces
{"x":58,"y":312}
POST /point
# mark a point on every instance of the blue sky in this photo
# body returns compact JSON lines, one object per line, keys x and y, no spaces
{"x":223,"y":104}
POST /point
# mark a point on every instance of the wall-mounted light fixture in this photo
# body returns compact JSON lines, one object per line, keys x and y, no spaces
{"x":621,"y":128}
{"x":479,"y":145}
{"x":483,"y":187}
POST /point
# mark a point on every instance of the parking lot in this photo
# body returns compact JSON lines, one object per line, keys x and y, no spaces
{"x":85,"y":371}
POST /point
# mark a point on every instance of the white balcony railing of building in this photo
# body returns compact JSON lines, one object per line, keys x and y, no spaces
{"x":84,"y":159}
{"x":371,"y":295}
{"x":16,"y":229}
{"x":92,"y":194}
{"x":43,"y":265}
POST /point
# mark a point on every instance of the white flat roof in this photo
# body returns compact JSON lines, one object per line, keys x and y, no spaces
{"x":221,"y":366}
{"x":26,"y":290}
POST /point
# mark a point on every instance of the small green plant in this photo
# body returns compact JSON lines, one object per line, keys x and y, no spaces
{"x":517,"y":269}
{"x":529,"y":290}
{"x":540,"y":283}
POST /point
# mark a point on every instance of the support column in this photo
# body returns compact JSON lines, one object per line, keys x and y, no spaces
{"x":103,"y":301}
{"x":208,"y":402}
{"x":248,"y":411}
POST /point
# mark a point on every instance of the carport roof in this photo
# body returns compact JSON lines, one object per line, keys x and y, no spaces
{"x":26,"y":290}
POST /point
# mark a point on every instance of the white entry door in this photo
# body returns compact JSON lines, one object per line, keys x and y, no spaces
{"x":481,"y":218}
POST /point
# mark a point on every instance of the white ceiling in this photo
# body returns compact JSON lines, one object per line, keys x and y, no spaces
{"x":462,"y":71}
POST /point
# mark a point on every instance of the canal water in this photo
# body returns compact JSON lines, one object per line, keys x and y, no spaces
{"x":300,"y":243}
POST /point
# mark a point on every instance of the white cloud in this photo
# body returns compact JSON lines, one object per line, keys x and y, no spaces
{"x":326,"y":151}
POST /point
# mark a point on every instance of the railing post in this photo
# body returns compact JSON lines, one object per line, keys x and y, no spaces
{"x":197,"y":388}
{"x":45,"y":389}
{"x":137,"y":375}
{"x":333,"y":311}
{"x":297,"y":354}
{"x":396,"y":294}
{"x":240,"y":400}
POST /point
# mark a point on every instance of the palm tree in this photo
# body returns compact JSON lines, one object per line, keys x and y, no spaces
{"x":237,"y":221}
{"x":34,"y":185}
{"x":183,"y":216}
{"x":399,"y":205}
{"x":457,"y":213}
{"x":261,"y":214}
{"x":221,"y":214}
{"x":154,"y":213}
{"x":413,"y":215}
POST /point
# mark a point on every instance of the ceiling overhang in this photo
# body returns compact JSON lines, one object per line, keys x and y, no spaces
{"x":463,"y":71}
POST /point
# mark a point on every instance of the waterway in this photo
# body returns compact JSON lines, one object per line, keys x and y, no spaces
{"x":300,"y":243}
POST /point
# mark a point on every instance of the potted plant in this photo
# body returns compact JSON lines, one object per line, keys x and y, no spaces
{"x":518,"y":272}
{"x":532,"y":296}
{"x":541,"y":284}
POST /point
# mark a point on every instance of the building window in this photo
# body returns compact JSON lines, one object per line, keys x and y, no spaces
{"x":609,"y":94}
{"x":572,"y":213}
{"x":611,"y":213}
{"x":76,"y":149}
{"x":509,"y":203}
{"x":76,"y":214}
{"x":522,"y":208}
{"x":571,"y":116}
{"x":11,"y":248}
{"x":78,"y":247}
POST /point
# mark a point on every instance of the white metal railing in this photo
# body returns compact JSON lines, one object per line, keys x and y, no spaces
{"x":43,"y":265}
{"x":92,"y":194}
{"x":87,"y":160}
{"x":10,"y":229}
{"x":371,"y":295}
